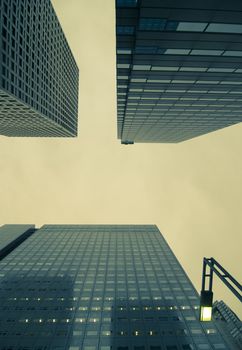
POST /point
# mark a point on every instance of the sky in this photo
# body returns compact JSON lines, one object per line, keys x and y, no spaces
{"x":191,"y":190}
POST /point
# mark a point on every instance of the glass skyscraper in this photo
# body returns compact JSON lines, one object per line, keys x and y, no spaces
{"x":38,"y":73}
{"x":90,"y":287}
{"x":179,"y":68}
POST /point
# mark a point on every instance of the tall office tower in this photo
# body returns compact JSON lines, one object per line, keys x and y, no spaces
{"x":229,"y":322}
{"x":38,"y":73}
{"x":99,"y":287}
{"x":179,"y":68}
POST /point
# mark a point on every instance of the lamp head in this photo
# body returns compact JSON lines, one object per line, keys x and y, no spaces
{"x":206,"y":305}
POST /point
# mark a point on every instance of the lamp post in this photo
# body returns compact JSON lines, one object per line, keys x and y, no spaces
{"x":206,"y":297}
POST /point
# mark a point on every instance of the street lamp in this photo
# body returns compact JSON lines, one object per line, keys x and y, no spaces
{"x":206,"y":297}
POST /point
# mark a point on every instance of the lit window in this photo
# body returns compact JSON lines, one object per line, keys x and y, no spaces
{"x":151,"y":333}
{"x":136,"y":333}
{"x":122,"y":333}
{"x":191,"y":26}
{"x":210,"y":331}
{"x":106,"y":333}
{"x":224,"y":28}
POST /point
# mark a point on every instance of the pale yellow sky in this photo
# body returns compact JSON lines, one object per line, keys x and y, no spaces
{"x":191,"y":190}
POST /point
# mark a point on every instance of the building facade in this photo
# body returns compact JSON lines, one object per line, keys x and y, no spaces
{"x":82,"y":287}
{"x":229,"y":322}
{"x":38,"y":73}
{"x":179,"y":68}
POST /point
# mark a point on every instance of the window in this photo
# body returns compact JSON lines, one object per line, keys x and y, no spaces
{"x":191,"y":26}
{"x":141,"y":67}
{"x":138,"y":80}
{"x":196,"y":331}
{"x":204,"y":82}
{"x":152,"y":333}
{"x":219,"y":346}
{"x":146,"y":49}
{"x":125,"y":30}
{"x":224,"y":28}
{"x":177,"y":51}
{"x":121,"y":65}
{"x":175,"y":69}
{"x":122,"y":333}
{"x":183,"y":81}
{"x":136,"y":333}
{"x":221,"y":70}
{"x":187,"y":347}
{"x":210,"y":331}
{"x":124,"y":51}
{"x":193,"y":69}
{"x":92,"y":333}
{"x":126,"y":3}
{"x":155,"y":24}
{"x":207,"y":52}
{"x":158,"y":81}
{"x":232,"y":53}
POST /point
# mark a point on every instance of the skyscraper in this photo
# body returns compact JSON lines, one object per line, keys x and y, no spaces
{"x":179,"y":69}
{"x":82,"y":287}
{"x":38,"y":73}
